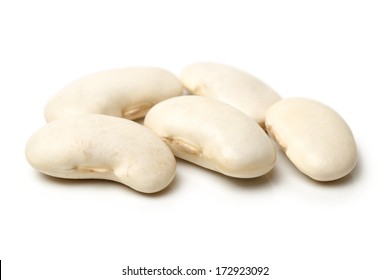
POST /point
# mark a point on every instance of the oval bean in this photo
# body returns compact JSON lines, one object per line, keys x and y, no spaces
{"x":123,"y":92}
{"x":314,"y":137}
{"x":95,"y":146}
{"x":213,"y":134}
{"x":232,"y":86}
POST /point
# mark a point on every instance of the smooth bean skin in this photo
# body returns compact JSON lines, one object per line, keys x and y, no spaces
{"x":214,"y":135}
{"x":232,"y":86}
{"x":95,"y":146}
{"x":314,"y":137}
{"x":124,"y":92}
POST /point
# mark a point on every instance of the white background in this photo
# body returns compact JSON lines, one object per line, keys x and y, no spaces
{"x":337,"y":52}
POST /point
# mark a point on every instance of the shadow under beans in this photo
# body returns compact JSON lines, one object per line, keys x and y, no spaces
{"x":171,"y":188}
{"x":344,"y":182}
{"x":261,"y":182}
{"x":103,"y":184}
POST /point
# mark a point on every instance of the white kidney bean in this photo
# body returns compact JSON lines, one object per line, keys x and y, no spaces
{"x":213,"y":134}
{"x":122,"y":92}
{"x":232,"y":86}
{"x":314,"y":137}
{"x":102,"y":147}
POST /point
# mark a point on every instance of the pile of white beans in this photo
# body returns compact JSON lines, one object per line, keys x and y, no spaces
{"x":215,"y":116}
